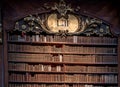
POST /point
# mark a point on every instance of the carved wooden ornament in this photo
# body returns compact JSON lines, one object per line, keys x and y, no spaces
{"x":62,"y":20}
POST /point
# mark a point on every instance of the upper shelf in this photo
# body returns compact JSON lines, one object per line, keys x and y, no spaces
{"x":61,"y":43}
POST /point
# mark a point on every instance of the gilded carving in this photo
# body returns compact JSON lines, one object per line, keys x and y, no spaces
{"x":55,"y":24}
{"x":63,"y":20}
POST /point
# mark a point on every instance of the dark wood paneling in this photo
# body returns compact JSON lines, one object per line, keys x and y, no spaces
{"x":1,"y":71}
{"x":119,"y":61}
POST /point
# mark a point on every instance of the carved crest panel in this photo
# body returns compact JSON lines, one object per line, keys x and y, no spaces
{"x":63,"y":20}
{"x":70,"y":24}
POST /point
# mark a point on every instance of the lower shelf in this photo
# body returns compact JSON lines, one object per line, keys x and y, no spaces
{"x":60,"y":72}
{"x":61,"y":85}
{"x":61,"y":82}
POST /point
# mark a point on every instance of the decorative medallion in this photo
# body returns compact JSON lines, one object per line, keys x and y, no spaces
{"x":55,"y":24}
{"x":63,"y":20}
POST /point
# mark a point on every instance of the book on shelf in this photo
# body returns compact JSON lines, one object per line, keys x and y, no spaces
{"x":72,"y":39}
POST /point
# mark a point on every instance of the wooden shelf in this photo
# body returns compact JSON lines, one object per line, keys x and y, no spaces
{"x":37,"y":82}
{"x":61,"y":63}
{"x":61,"y":43}
{"x":59,"y":72}
{"x":61,"y":82}
{"x":71,"y":53}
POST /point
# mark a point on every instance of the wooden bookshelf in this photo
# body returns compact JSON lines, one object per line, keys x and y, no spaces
{"x":63,"y":64}
{"x":55,"y":49}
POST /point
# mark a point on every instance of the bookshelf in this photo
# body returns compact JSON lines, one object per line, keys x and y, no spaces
{"x":52,"y":62}
{"x":61,"y":49}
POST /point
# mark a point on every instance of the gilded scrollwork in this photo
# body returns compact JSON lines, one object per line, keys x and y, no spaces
{"x":62,"y":8}
{"x":62,"y":22}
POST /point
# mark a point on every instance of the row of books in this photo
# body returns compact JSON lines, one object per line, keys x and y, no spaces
{"x":91,"y":78}
{"x":68,"y":68}
{"x":90,"y":58}
{"x":93,"y":86}
{"x":38,"y":67}
{"x":55,"y":38}
{"x":62,"y":58}
{"x":55,"y":85}
{"x":64,"y":48}
{"x":34,"y":57}
{"x":99,"y":69}
{"x":71,"y":78}
{"x":38,"y":85}
{"x":36,"y":77}
{"x":82,"y":49}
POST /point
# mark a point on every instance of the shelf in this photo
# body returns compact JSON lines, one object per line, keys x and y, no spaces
{"x":61,"y":43}
{"x":59,"y":72}
{"x":90,"y":64}
{"x":37,"y":82}
{"x":61,"y":82}
{"x":71,"y":53}
{"x":61,"y":63}
{"x":34,"y":62}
